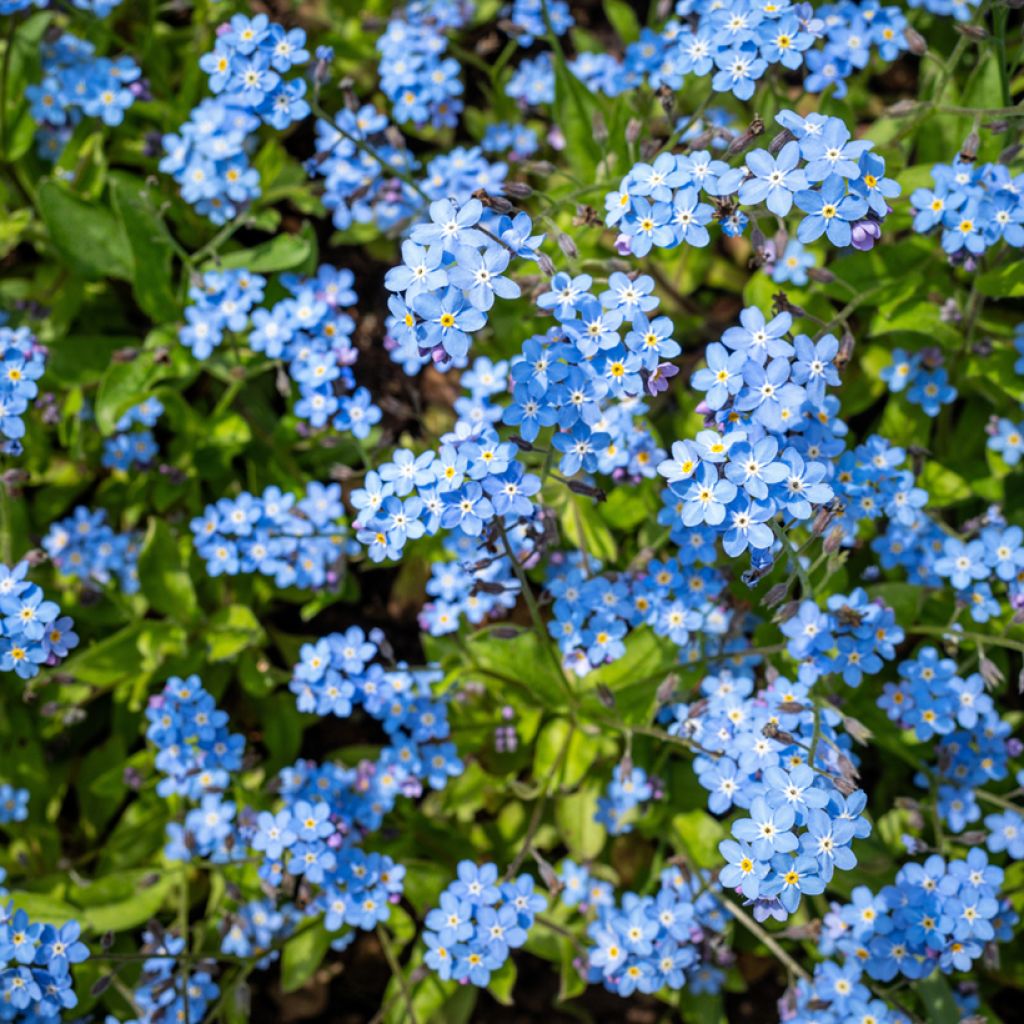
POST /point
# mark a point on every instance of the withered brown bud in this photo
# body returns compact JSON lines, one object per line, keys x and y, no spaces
{"x":916,"y":43}
{"x":667,"y":99}
{"x":969,"y":150}
{"x":498,"y":203}
{"x":585,"y":216}
{"x":741,"y":142}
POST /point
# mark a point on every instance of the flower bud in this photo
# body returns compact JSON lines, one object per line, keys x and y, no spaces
{"x":916,"y":42}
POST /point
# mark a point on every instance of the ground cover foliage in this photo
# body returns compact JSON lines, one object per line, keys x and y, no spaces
{"x":511,"y":511}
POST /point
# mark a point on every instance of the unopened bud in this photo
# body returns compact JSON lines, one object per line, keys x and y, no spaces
{"x":741,"y":142}
{"x":599,"y":127}
{"x":587,"y":491}
{"x":833,"y":540}
{"x":517,"y":189}
{"x":779,"y":141}
{"x":787,"y":611}
{"x":990,"y":672}
{"x":901,"y":108}
{"x":846,"y":346}
{"x":545,"y":264}
{"x":821,"y":275}
{"x":916,"y":43}
{"x":776,"y":595}
{"x":567,"y":245}
{"x":667,"y":689}
{"x":976,"y":32}
{"x":605,"y":696}
{"x":633,"y":128}
{"x":975,"y":838}
{"x":125,"y":355}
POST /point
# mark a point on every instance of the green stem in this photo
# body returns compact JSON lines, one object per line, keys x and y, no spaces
{"x":756,"y":930}
{"x":978,"y":638}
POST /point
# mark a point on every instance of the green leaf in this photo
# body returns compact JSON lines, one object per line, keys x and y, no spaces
{"x":162,"y":574}
{"x":521,"y":658}
{"x":231,"y":631}
{"x":125,"y":385}
{"x":150,"y":245}
{"x":124,"y":901}
{"x":1006,"y":282}
{"x":578,"y":758}
{"x":623,"y":19}
{"x":577,"y":825}
{"x":302,"y":955}
{"x":503,"y":980}
{"x":283,"y":252}
{"x":88,"y":236}
{"x":938,"y":1000}
{"x":583,"y":526}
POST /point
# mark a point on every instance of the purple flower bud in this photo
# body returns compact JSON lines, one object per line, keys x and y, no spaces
{"x":864,"y":234}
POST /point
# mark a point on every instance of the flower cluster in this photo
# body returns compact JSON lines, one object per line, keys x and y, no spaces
{"x":35,"y":966}
{"x":837,"y":182}
{"x":338,"y":673}
{"x":13,"y":803}
{"x":247,"y":68}
{"x":478,"y":921}
{"x":32,"y":630}
{"x":769,"y":456}
{"x":752,"y":753}
{"x":85,"y":546}
{"x":24,"y":360}
{"x":937,"y":913}
{"x":128,"y":447}
{"x":76,"y":84}
{"x":360,"y":162}
{"x":975,"y":205}
{"x":735,"y":45}
{"x":850,"y":639}
{"x":649,"y":943}
{"x":420,"y":82}
{"x":294,"y":541}
{"x":309,"y":329}
{"x":195,"y":752}
{"x":628,"y":789}
{"x":453,"y":268}
{"x":923,"y":377}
